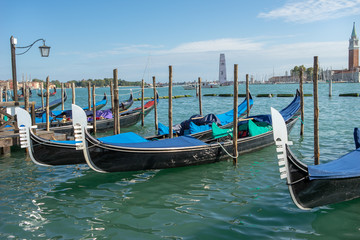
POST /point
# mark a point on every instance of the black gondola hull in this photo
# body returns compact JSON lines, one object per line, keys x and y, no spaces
{"x":53,"y":153}
{"x":108,"y":158}
{"x":319,"y":192}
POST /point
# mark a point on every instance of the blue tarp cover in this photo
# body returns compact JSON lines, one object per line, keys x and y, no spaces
{"x":128,"y":137}
{"x":346,"y":166}
{"x":182,"y":141}
{"x":221,"y":119}
{"x":228,"y":117}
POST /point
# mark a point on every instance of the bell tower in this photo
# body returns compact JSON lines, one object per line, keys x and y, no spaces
{"x":353,"y":50}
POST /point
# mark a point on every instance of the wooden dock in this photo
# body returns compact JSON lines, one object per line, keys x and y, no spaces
{"x":9,"y":132}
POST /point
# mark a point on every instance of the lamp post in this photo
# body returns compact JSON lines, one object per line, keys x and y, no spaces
{"x":44,"y":50}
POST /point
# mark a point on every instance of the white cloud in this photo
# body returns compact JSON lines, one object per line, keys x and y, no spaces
{"x":314,"y":10}
{"x":226,"y":44}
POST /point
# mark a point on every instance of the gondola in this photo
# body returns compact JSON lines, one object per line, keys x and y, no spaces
{"x":58,"y":115}
{"x":44,"y":94}
{"x":200,"y":126}
{"x":135,"y":153}
{"x":52,"y":105}
{"x":21,"y":97}
{"x":50,"y":152}
{"x":316,"y":185}
{"x":99,"y":105}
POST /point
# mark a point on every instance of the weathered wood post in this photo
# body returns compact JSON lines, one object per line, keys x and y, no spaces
{"x":62,"y":97}
{"x":142,"y":102}
{"x":116,"y":104}
{"x":200,"y":104}
{"x":247,"y":96}
{"x":155,"y":106}
{"x":27,"y":95}
{"x":301,"y":102}
{"x":1,"y":94}
{"x":235,"y":130}
{"x":47,"y":104}
{"x":316,"y":113}
{"x":32,"y":109}
{"x":330,"y":87}
{"x":112,"y":96}
{"x":42,"y":95}
{"x":6,"y":93}
{"x":170,"y":103}
{"x":89,"y":95}
{"x":73,"y":92}
{"x":94,"y":109}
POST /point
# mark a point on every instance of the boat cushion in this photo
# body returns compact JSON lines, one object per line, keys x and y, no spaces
{"x":195,"y":128}
{"x":182,"y":141}
{"x":255,"y":130}
{"x":128,"y":137}
{"x":220,"y":132}
{"x":346,"y":166}
{"x":162,"y":129}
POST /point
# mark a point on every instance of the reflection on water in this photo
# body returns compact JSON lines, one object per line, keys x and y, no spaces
{"x":215,"y":201}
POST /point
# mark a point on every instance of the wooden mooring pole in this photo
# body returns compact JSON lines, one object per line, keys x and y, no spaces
{"x":142,"y":102}
{"x":301,"y":102}
{"x":200,"y":104}
{"x":42,"y":95}
{"x":62,"y":97}
{"x":235,"y":131}
{"x":89,"y":95}
{"x":94,"y":109}
{"x":47,"y":104}
{"x":155,"y":106}
{"x":73,"y":92}
{"x":116,"y":104}
{"x":26,"y":95}
{"x":316,"y":113}
{"x":330,"y":87}
{"x":112,"y":96}
{"x":170,"y":103}
{"x":247,"y":96}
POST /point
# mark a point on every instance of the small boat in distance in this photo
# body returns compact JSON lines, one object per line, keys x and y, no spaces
{"x":44,"y":94}
{"x":316,"y":185}
{"x":189,"y":86}
{"x":210,"y":85}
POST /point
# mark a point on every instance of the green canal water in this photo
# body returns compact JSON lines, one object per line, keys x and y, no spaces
{"x":215,"y":201}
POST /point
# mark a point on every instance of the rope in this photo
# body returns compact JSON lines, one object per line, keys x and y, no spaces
{"x":227,"y":151}
{"x":301,"y":120}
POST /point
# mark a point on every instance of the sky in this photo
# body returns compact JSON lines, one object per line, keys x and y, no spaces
{"x":142,"y":38}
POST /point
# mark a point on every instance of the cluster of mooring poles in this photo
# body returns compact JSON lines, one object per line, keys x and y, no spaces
{"x":316,"y":108}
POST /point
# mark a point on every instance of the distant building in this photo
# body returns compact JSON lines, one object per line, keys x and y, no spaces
{"x":352,"y":73}
{"x":345,"y":75}
{"x":284,"y":79}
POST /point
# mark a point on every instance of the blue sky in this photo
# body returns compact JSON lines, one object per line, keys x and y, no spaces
{"x":141,"y":38}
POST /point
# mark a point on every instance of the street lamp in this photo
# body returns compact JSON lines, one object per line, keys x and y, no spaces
{"x":44,"y":50}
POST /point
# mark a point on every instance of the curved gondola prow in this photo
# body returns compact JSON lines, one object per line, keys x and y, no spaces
{"x":24,"y":125}
{"x":80,"y":127}
{"x":280,"y":135}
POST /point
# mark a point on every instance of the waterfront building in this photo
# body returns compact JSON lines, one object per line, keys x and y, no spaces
{"x":352,"y":73}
